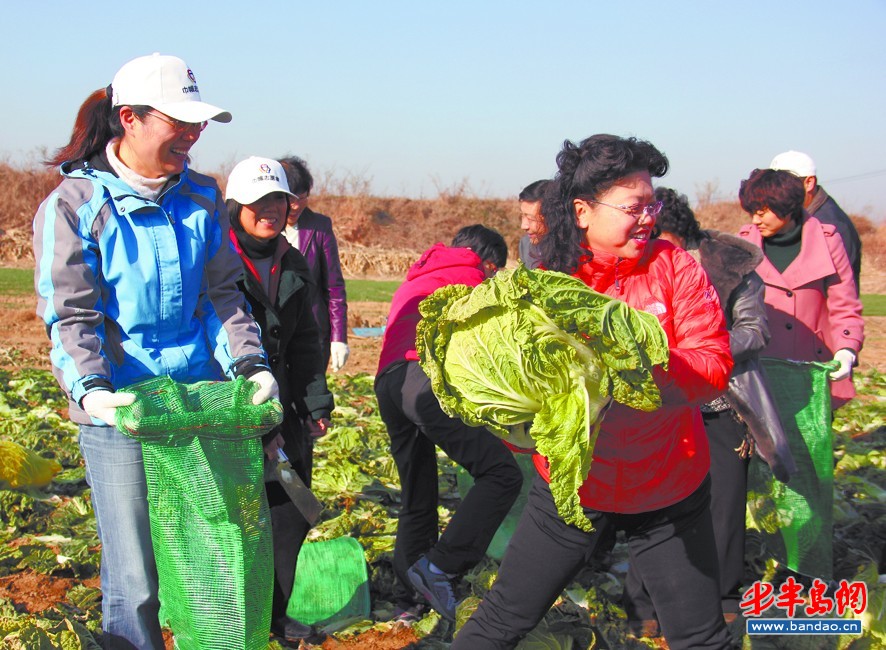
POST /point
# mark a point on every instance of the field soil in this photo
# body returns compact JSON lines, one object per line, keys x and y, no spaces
{"x":24,"y":344}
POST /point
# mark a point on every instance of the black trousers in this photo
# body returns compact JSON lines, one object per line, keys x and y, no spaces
{"x":289,"y":528}
{"x":729,"y":486}
{"x":673,"y":548}
{"x":415,"y":424}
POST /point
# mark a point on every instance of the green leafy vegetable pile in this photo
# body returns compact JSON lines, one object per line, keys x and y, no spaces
{"x":535,"y":356}
{"x":48,"y":536}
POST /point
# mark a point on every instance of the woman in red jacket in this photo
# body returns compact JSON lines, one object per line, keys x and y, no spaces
{"x":811,"y":300}
{"x":649,"y":475}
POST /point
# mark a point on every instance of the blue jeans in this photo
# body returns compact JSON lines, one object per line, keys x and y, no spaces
{"x":116,"y":474}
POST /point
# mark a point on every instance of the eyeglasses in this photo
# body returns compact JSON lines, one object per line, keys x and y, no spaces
{"x":299,"y":197}
{"x":180,"y":126}
{"x":633,"y":211}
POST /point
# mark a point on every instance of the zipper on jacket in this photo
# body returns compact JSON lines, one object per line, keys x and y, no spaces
{"x":167,"y":189}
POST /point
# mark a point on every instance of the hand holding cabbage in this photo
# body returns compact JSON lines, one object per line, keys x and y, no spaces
{"x":536,"y":357}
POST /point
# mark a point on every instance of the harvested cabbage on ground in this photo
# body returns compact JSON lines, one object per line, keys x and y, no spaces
{"x":536,"y":356}
{"x":22,"y":468}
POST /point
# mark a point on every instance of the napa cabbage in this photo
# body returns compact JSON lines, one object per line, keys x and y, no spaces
{"x":536,"y":357}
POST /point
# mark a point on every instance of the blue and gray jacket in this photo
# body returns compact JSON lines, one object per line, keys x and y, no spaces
{"x":131,"y":288}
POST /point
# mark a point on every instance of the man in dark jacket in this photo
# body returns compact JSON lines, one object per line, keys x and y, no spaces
{"x":311,"y":234}
{"x":822,"y":206}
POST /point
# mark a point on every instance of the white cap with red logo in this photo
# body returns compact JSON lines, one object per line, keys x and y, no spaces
{"x":255,"y":177}
{"x":165,"y":83}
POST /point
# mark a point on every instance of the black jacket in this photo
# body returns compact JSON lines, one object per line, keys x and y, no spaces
{"x":730,"y":262}
{"x":290,"y":338}
{"x":825,"y":209}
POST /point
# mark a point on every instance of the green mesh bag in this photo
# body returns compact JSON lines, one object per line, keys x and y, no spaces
{"x":331,"y":583}
{"x":796,"y":519}
{"x":210,"y":522}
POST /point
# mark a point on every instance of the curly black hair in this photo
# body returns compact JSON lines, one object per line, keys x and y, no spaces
{"x":676,"y":217}
{"x":589,"y":168}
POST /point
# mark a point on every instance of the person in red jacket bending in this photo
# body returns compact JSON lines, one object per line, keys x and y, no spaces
{"x":649,"y":475}
{"x":416,"y":423}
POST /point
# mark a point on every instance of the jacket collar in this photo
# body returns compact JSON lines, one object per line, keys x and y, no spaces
{"x":124,"y":198}
{"x":813,"y":263}
{"x":306,"y":229}
{"x":600,"y":270}
{"x":818,"y":199}
{"x":283,"y":285}
{"x":727,"y":259}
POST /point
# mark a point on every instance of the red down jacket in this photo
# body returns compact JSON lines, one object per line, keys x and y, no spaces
{"x":645,"y":461}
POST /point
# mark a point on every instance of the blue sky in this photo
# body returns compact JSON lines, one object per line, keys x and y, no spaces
{"x":422,"y":96}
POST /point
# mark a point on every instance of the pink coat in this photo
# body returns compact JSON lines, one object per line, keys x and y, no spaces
{"x":813,"y":308}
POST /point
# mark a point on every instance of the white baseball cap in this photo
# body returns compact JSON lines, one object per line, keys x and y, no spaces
{"x":796,"y":162}
{"x":164,"y":83}
{"x":255,"y":177}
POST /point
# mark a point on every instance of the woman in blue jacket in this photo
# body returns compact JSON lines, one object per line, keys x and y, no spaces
{"x":135,"y":279}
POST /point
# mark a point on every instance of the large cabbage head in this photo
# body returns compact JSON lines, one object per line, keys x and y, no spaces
{"x":497,"y":357}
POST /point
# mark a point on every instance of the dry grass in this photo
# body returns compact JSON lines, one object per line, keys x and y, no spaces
{"x":381,"y":236}
{"x":23,"y":188}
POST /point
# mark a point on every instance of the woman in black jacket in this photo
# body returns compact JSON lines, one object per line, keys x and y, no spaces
{"x":276,"y":281}
{"x":741,"y":422}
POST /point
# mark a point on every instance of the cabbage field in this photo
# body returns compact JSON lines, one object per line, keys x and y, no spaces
{"x":49,"y":556}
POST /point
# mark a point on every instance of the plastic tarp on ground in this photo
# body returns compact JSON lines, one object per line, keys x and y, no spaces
{"x":210,"y":523}
{"x":796,"y":519}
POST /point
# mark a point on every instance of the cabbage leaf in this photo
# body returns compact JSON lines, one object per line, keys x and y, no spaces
{"x":536,"y":357}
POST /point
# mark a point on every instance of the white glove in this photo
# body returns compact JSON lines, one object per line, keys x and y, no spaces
{"x":338,"y":355}
{"x":101,"y":404}
{"x":846,"y":358}
{"x":267,"y":387}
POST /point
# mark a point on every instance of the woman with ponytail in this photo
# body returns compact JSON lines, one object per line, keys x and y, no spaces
{"x":649,"y":476}
{"x":135,"y":279}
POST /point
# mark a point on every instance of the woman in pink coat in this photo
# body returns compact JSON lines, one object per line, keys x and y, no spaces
{"x":813,"y":308}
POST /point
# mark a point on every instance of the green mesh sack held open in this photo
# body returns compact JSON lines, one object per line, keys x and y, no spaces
{"x":796,"y":519}
{"x":210,"y":523}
